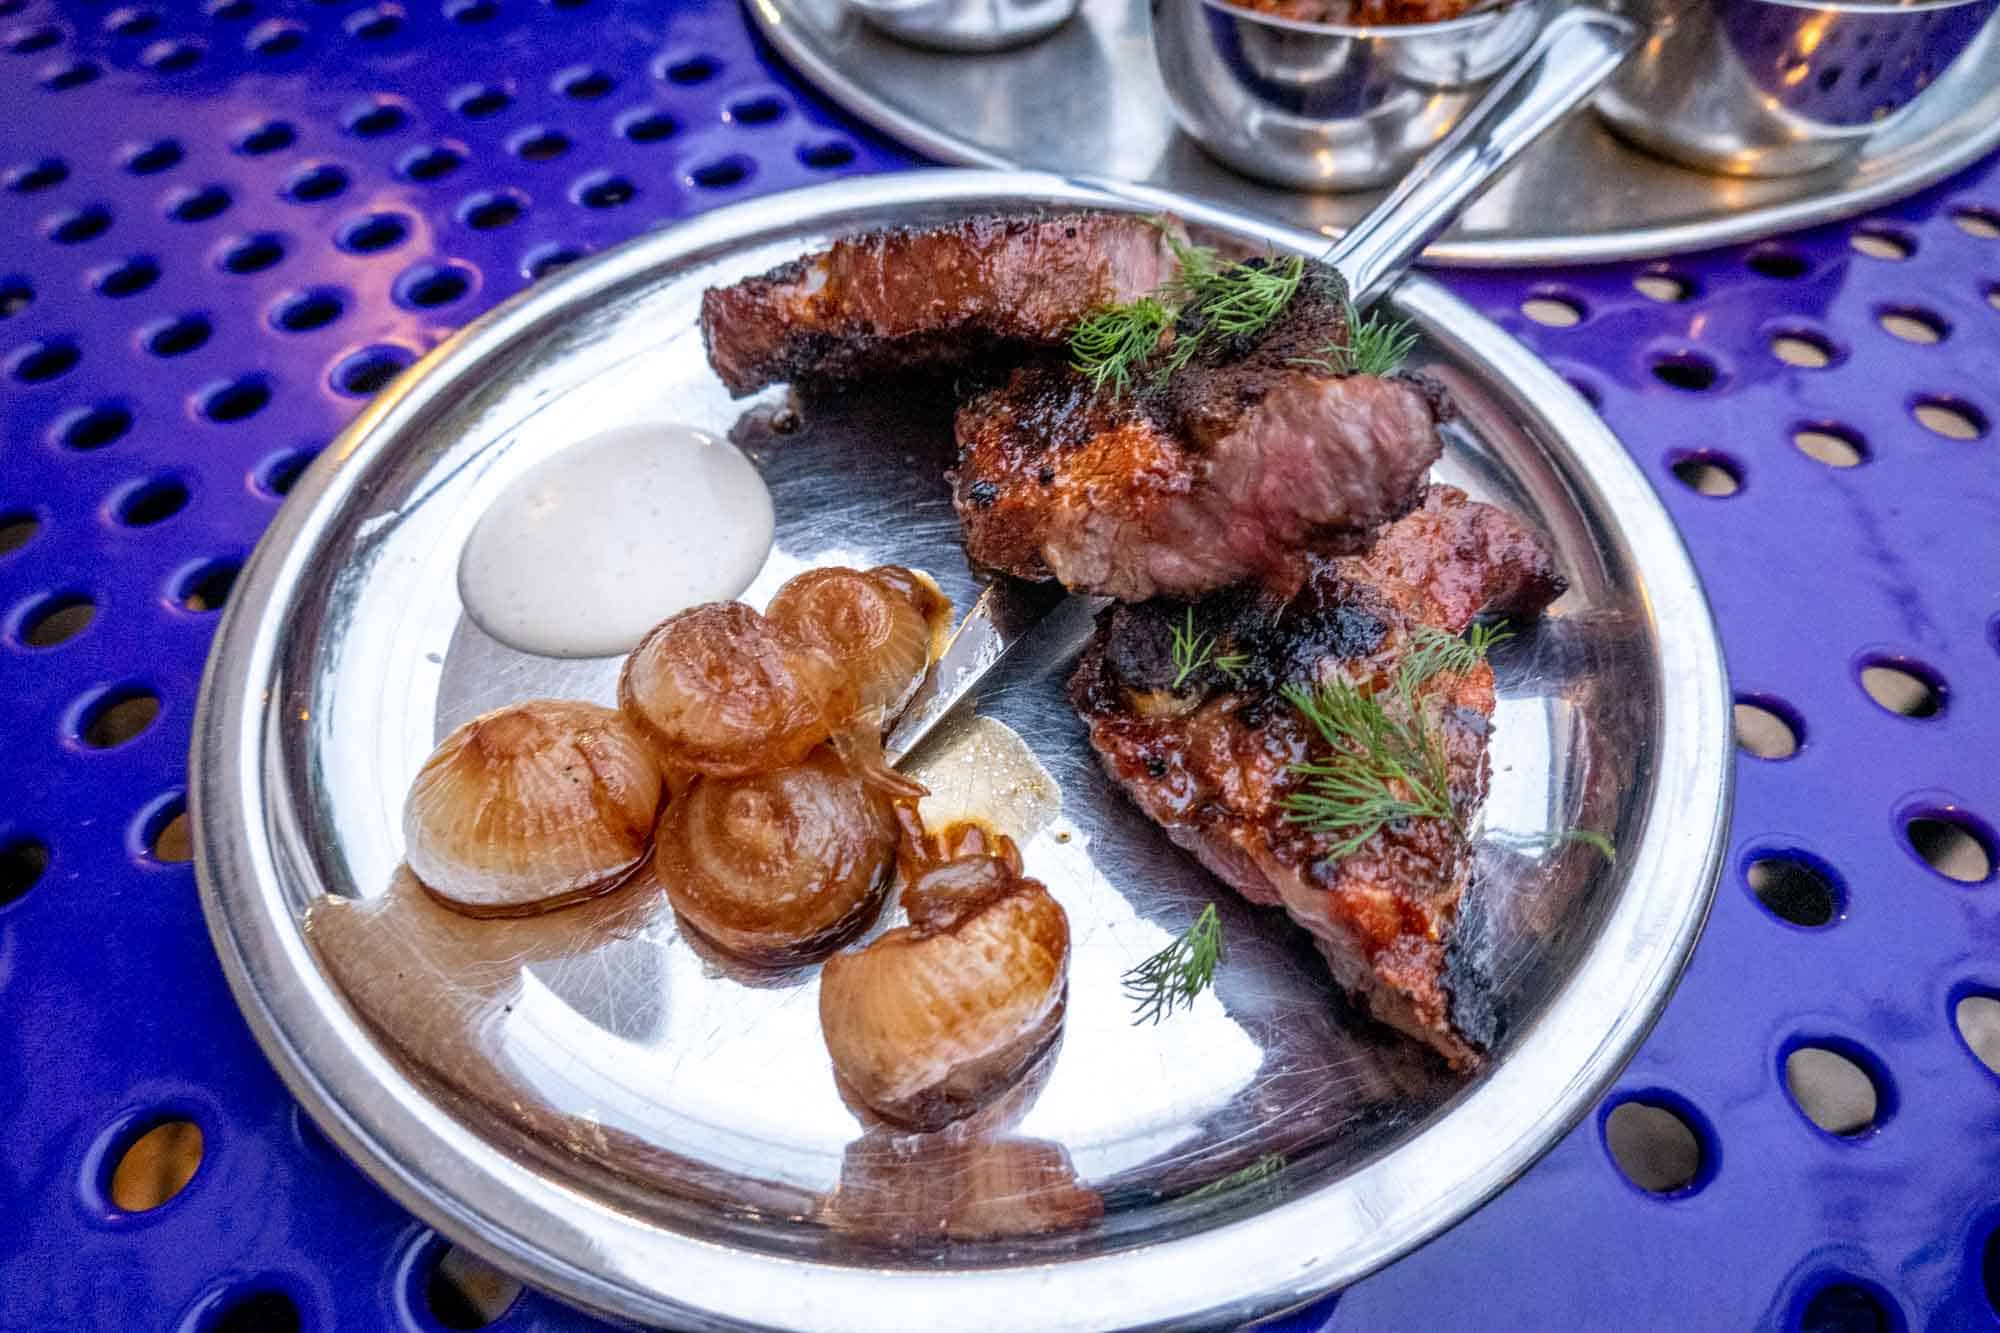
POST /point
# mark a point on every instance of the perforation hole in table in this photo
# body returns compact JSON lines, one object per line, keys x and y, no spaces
{"x":1903,"y":687}
{"x":254,"y":1311}
{"x":1656,"y":1144}
{"x":167,"y":163}
{"x":1767,"y":728}
{"x":1977,"y":1018}
{"x":1849,"y":1306}
{"x":1951,"y":843}
{"x":153,"y":1165}
{"x":1837,"y":1087}
{"x":459,"y":1289}
{"x":1793,"y":887}
{"x":22,"y":861}
{"x":166,"y":837}
{"x":54,"y":620}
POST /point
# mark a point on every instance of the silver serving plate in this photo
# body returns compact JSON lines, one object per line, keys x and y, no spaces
{"x":599,"y":1107}
{"x":1088,"y":100}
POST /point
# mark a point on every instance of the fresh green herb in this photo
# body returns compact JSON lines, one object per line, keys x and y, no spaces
{"x":1387,"y":762}
{"x":1433,"y":652}
{"x":1113,"y":343}
{"x":1372,"y":347}
{"x":1260,"y":1170}
{"x":1192,"y":651}
{"x":1171,"y":978}
{"x":1210,"y":297}
{"x":1229,"y":297}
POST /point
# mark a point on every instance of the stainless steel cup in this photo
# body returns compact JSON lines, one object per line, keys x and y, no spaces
{"x":1328,"y":106}
{"x":966,"y":25}
{"x":1774,"y":87}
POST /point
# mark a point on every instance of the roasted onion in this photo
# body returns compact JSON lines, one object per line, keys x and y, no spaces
{"x":531,"y":806}
{"x":879,"y":624}
{"x":935,"y":1018}
{"x":778,"y":866}
{"x":721,"y":690}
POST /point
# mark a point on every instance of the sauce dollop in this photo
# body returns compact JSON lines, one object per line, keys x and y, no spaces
{"x":584,"y":553}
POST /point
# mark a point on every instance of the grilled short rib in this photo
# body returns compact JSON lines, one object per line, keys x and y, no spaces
{"x":905,"y":300}
{"x":1211,"y":762}
{"x":1248,"y":461}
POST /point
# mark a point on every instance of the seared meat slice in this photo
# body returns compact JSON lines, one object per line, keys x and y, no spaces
{"x":894,"y":301}
{"x":1238,"y":468}
{"x":1212,"y":764}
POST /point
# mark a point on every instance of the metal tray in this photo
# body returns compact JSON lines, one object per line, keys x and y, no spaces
{"x":598,"y":1107}
{"x":1087,"y":101}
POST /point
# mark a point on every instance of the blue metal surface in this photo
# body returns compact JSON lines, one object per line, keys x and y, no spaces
{"x":227,"y":221}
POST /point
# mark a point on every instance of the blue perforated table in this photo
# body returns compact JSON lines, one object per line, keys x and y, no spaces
{"x":227,"y":224}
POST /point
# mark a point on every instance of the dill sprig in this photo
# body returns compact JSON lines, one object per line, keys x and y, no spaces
{"x":1171,"y":978}
{"x":1432,"y":652}
{"x":1193,"y":650}
{"x":1231,"y":297}
{"x":1211,"y":297}
{"x":1387,"y":762}
{"x":1113,"y":343}
{"x":1373,"y":347}
{"x":1260,"y":1170}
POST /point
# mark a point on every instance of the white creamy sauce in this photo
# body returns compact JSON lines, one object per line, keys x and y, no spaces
{"x":580,"y":556}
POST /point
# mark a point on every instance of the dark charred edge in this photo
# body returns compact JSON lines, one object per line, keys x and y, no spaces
{"x":825,"y":364}
{"x":1284,"y":642}
{"x":805,"y":358}
{"x":1436,"y":395}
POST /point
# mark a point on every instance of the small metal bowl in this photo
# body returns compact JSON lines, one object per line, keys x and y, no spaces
{"x":966,"y":25}
{"x":1774,"y":87}
{"x":1328,"y":106}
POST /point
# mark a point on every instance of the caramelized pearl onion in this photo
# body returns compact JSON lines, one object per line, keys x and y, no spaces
{"x":778,"y":866}
{"x":721,"y":690}
{"x":937,"y":1017}
{"x":879,"y":625}
{"x":531,"y":806}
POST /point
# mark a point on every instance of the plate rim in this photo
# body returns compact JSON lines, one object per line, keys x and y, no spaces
{"x":446,"y":1174}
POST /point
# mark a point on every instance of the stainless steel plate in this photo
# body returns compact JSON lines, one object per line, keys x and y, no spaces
{"x":587,"y":1099}
{"x":1087,"y":101}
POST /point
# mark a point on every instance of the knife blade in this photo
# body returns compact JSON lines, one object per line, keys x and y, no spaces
{"x":1003,"y":616}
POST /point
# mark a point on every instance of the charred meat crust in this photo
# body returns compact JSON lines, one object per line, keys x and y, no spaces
{"x":915,"y":299}
{"x":1246,"y":462}
{"x":1215,"y":774}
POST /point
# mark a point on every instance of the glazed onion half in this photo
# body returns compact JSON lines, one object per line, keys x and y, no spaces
{"x":720,"y":690}
{"x":531,"y":806}
{"x":777,"y":867}
{"x":878,"y":624}
{"x":936,"y":1018}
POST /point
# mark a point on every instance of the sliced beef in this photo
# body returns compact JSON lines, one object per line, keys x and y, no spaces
{"x":1212,"y":764}
{"x":1241,"y":466}
{"x":903,"y":300}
